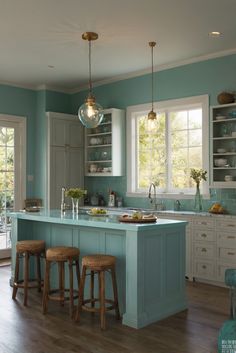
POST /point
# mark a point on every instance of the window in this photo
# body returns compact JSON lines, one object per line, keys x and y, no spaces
{"x":163,"y":151}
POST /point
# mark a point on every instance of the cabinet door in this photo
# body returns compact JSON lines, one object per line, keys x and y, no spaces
{"x":66,"y":130}
{"x":74,"y":167}
{"x":57,"y":175}
{"x":66,"y":170}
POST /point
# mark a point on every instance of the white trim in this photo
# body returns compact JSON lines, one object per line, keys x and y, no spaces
{"x":19,"y":123}
{"x":133,"y":111}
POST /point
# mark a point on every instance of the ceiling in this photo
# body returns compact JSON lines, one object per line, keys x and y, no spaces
{"x":37,"y":34}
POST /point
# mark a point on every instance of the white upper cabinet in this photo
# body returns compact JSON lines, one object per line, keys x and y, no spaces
{"x":104,"y":145}
{"x":65,"y":155}
{"x":223,"y":146}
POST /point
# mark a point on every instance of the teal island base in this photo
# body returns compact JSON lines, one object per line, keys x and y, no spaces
{"x":150,"y":257}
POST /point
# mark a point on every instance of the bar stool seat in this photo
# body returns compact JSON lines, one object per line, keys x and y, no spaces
{"x":25,"y":249}
{"x":98,"y":264}
{"x":61,"y":255}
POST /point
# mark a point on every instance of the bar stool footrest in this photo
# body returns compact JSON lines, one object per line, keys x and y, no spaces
{"x":20,"y":283}
{"x":93,"y":309}
{"x":60,"y":298}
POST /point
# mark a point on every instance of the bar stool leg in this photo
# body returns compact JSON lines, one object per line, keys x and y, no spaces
{"x":81,"y":294}
{"x":61,"y":271}
{"x":92,"y":290}
{"x":38,"y":272}
{"x":26,"y":277}
{"x":46,"y":287}
{"x":102,"y":299}
{"x":77,"y":272}
{"x":70,"y":262}
{"x":114,"y":284}
{"x":16,"y":276}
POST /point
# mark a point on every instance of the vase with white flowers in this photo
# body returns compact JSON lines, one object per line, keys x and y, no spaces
{"x":76,"y":194}
{"x":198,"y":175}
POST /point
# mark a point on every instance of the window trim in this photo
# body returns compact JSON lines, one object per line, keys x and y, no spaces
{"x":131,"y":142}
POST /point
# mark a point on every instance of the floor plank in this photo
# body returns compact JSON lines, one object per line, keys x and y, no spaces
{"x":26,"y":330}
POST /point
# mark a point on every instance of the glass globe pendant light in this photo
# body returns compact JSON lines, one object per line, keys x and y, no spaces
{"x":152,"y":115}
{"x":90,"y":113}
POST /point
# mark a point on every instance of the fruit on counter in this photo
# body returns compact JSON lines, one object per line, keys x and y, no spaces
{"x":137,"y":215}
{"x":96,"y":210}
{"x":217,"y":208}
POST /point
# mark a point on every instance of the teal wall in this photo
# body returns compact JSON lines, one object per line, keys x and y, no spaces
{"x":208,"y":77}
{"x":22,"y":102}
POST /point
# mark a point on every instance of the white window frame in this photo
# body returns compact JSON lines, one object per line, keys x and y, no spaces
{"x":19,"y":124}
{"x":131,"y":119}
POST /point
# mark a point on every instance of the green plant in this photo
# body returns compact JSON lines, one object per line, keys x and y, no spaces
{"x":76,"y":193}
{"x":198,"y":175}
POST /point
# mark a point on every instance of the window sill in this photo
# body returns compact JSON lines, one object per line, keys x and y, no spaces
{"x":179,"y":196}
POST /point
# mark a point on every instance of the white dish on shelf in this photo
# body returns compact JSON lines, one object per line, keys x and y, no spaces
{"x":220,"y":117}
{"x":221,"y":150}
{"x":220,"y":162}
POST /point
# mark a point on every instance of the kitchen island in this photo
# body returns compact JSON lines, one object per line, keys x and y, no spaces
{"x":150,"y":256}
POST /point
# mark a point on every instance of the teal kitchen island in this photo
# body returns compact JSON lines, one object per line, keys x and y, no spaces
{"x":150,"y":257}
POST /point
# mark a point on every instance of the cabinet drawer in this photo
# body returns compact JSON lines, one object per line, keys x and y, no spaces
{"x":206,"y":235}
{"x":203,"y":250}
{"x":227,"y":240}
{"x":229,"y":225}
{"x":227,"y":254}
{"x":204,"y":269}
{"x":204,"y":222}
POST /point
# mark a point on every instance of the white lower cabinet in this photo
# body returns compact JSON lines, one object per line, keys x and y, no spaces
{"x":210,"y":245}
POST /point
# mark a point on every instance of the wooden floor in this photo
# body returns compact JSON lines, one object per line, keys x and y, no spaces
{"x":26,"y":330}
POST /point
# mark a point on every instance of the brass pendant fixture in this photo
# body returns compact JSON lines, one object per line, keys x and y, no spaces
{"x":152,"y":115}
{"x":90,"y":113}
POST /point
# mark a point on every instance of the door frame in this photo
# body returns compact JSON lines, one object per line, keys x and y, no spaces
{"x":19,"y":124}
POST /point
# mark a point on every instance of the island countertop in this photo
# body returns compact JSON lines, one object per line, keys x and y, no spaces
{"x":110,"y":221}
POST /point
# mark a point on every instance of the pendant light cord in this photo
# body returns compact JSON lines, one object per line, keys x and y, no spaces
{"x":90,"y":71}
{"x":152,"y":78}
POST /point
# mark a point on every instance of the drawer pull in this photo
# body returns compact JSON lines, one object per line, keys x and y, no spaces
{"x":204,"y":250}
{"x":204,"y":223}
{"x":204,"y":267}
{"x":230,"y":237}
{"x":203,"y":235}
{"x":231,"y":253}
{"x":230,"y":225}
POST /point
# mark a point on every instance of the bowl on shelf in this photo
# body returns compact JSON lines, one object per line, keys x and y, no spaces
{"x":220,"y":162}
{"x":220,"y":117}
{"x":221,"y":150}
{"x":228,"y":178}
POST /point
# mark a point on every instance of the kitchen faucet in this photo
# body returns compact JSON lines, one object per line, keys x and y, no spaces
{"x":153,"y":200}
{"x":156,"y":205}
{"x":63,"y":204}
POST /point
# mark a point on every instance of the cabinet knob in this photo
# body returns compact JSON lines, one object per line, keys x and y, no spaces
{"x":203,"y":235}
{"x":231,"y":253}
{"x":204,"y":250}
{"x":204,"y":267}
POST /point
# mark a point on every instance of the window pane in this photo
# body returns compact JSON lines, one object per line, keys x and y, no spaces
{"x":151,"y":151}
{"x":179,"y":120}
{"x":195,"y":157}
{"x":195,"y":119}
{"x":179,"y":138}
{"x":6,"y":136}
{"x":10,"y":158}
{"x":180,"y":157}
{"x":195,"y":137}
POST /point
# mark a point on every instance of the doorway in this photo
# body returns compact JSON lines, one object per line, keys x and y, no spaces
{"x":12,"y":175}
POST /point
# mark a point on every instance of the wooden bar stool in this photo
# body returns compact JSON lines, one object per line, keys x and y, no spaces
{"x":61,"y":254}
{"x":25,"y":249}
{"x":98,"y":264}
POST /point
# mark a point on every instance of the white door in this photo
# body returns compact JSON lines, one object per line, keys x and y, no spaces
{"x":12,"y":174}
